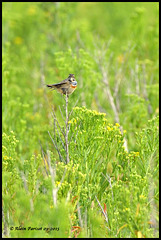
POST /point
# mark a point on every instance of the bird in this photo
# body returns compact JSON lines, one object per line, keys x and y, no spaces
{"x":67,"y":86}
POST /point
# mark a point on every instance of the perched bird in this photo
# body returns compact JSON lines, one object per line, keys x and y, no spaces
{"x":66,"y":86}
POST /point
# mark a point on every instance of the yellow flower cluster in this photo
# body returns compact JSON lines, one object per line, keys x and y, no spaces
{"x":93,"y":112}
{"x":109,"y":128}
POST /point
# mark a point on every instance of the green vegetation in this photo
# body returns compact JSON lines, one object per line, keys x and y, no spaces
{"x":110,"y":187}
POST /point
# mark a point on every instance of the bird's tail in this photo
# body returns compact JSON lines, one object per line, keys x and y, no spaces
{"x":50,"y":86}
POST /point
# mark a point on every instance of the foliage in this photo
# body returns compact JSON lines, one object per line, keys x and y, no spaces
{"x":105,"y":190}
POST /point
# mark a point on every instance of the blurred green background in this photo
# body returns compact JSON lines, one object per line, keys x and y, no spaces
{"x":44,"y":42}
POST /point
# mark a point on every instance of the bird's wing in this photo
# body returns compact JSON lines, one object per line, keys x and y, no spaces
{"x":58,"y":85}
{"x":63,"y":82}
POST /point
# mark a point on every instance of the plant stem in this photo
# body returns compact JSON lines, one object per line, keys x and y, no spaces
{"x":66,"y":134}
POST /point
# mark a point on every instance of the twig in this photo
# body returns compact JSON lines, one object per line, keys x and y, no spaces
{"x":110,"y":97}
{"x":103,"y":66}
{"x":24,"y":181}
{"x":153,"y":206}
{"x":137,"y":78}
{"x":55,"y":127}
{"x":5,"y":230}
{"x":105,"y":81}
{"x":145,"y":91}
{"x":53,"y":175}
{"x":118,"y":78}
{"x":66,"y":135}
{"x":105,"y":214}
{"x":109,"y":180}
{"x":79,"y":215}
{"x":73,"y":108}
{"x":54,"y":116}
{"x":118,"y":81}
{"x":60,"y":156}
{"x":61,"y":113}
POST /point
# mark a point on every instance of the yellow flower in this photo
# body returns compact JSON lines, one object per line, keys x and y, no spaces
{"x":18,"y":40}
{"x":40,"y":91}
{"x":57,"y":183}
{"x":31,"y":11}
{"x":139,"y":234}
{"x":117,"y":124}
{"x":127,"y":209}
{"x":136,"y":153}
{"x":120,"y":58}
{"x":142,"y":197}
